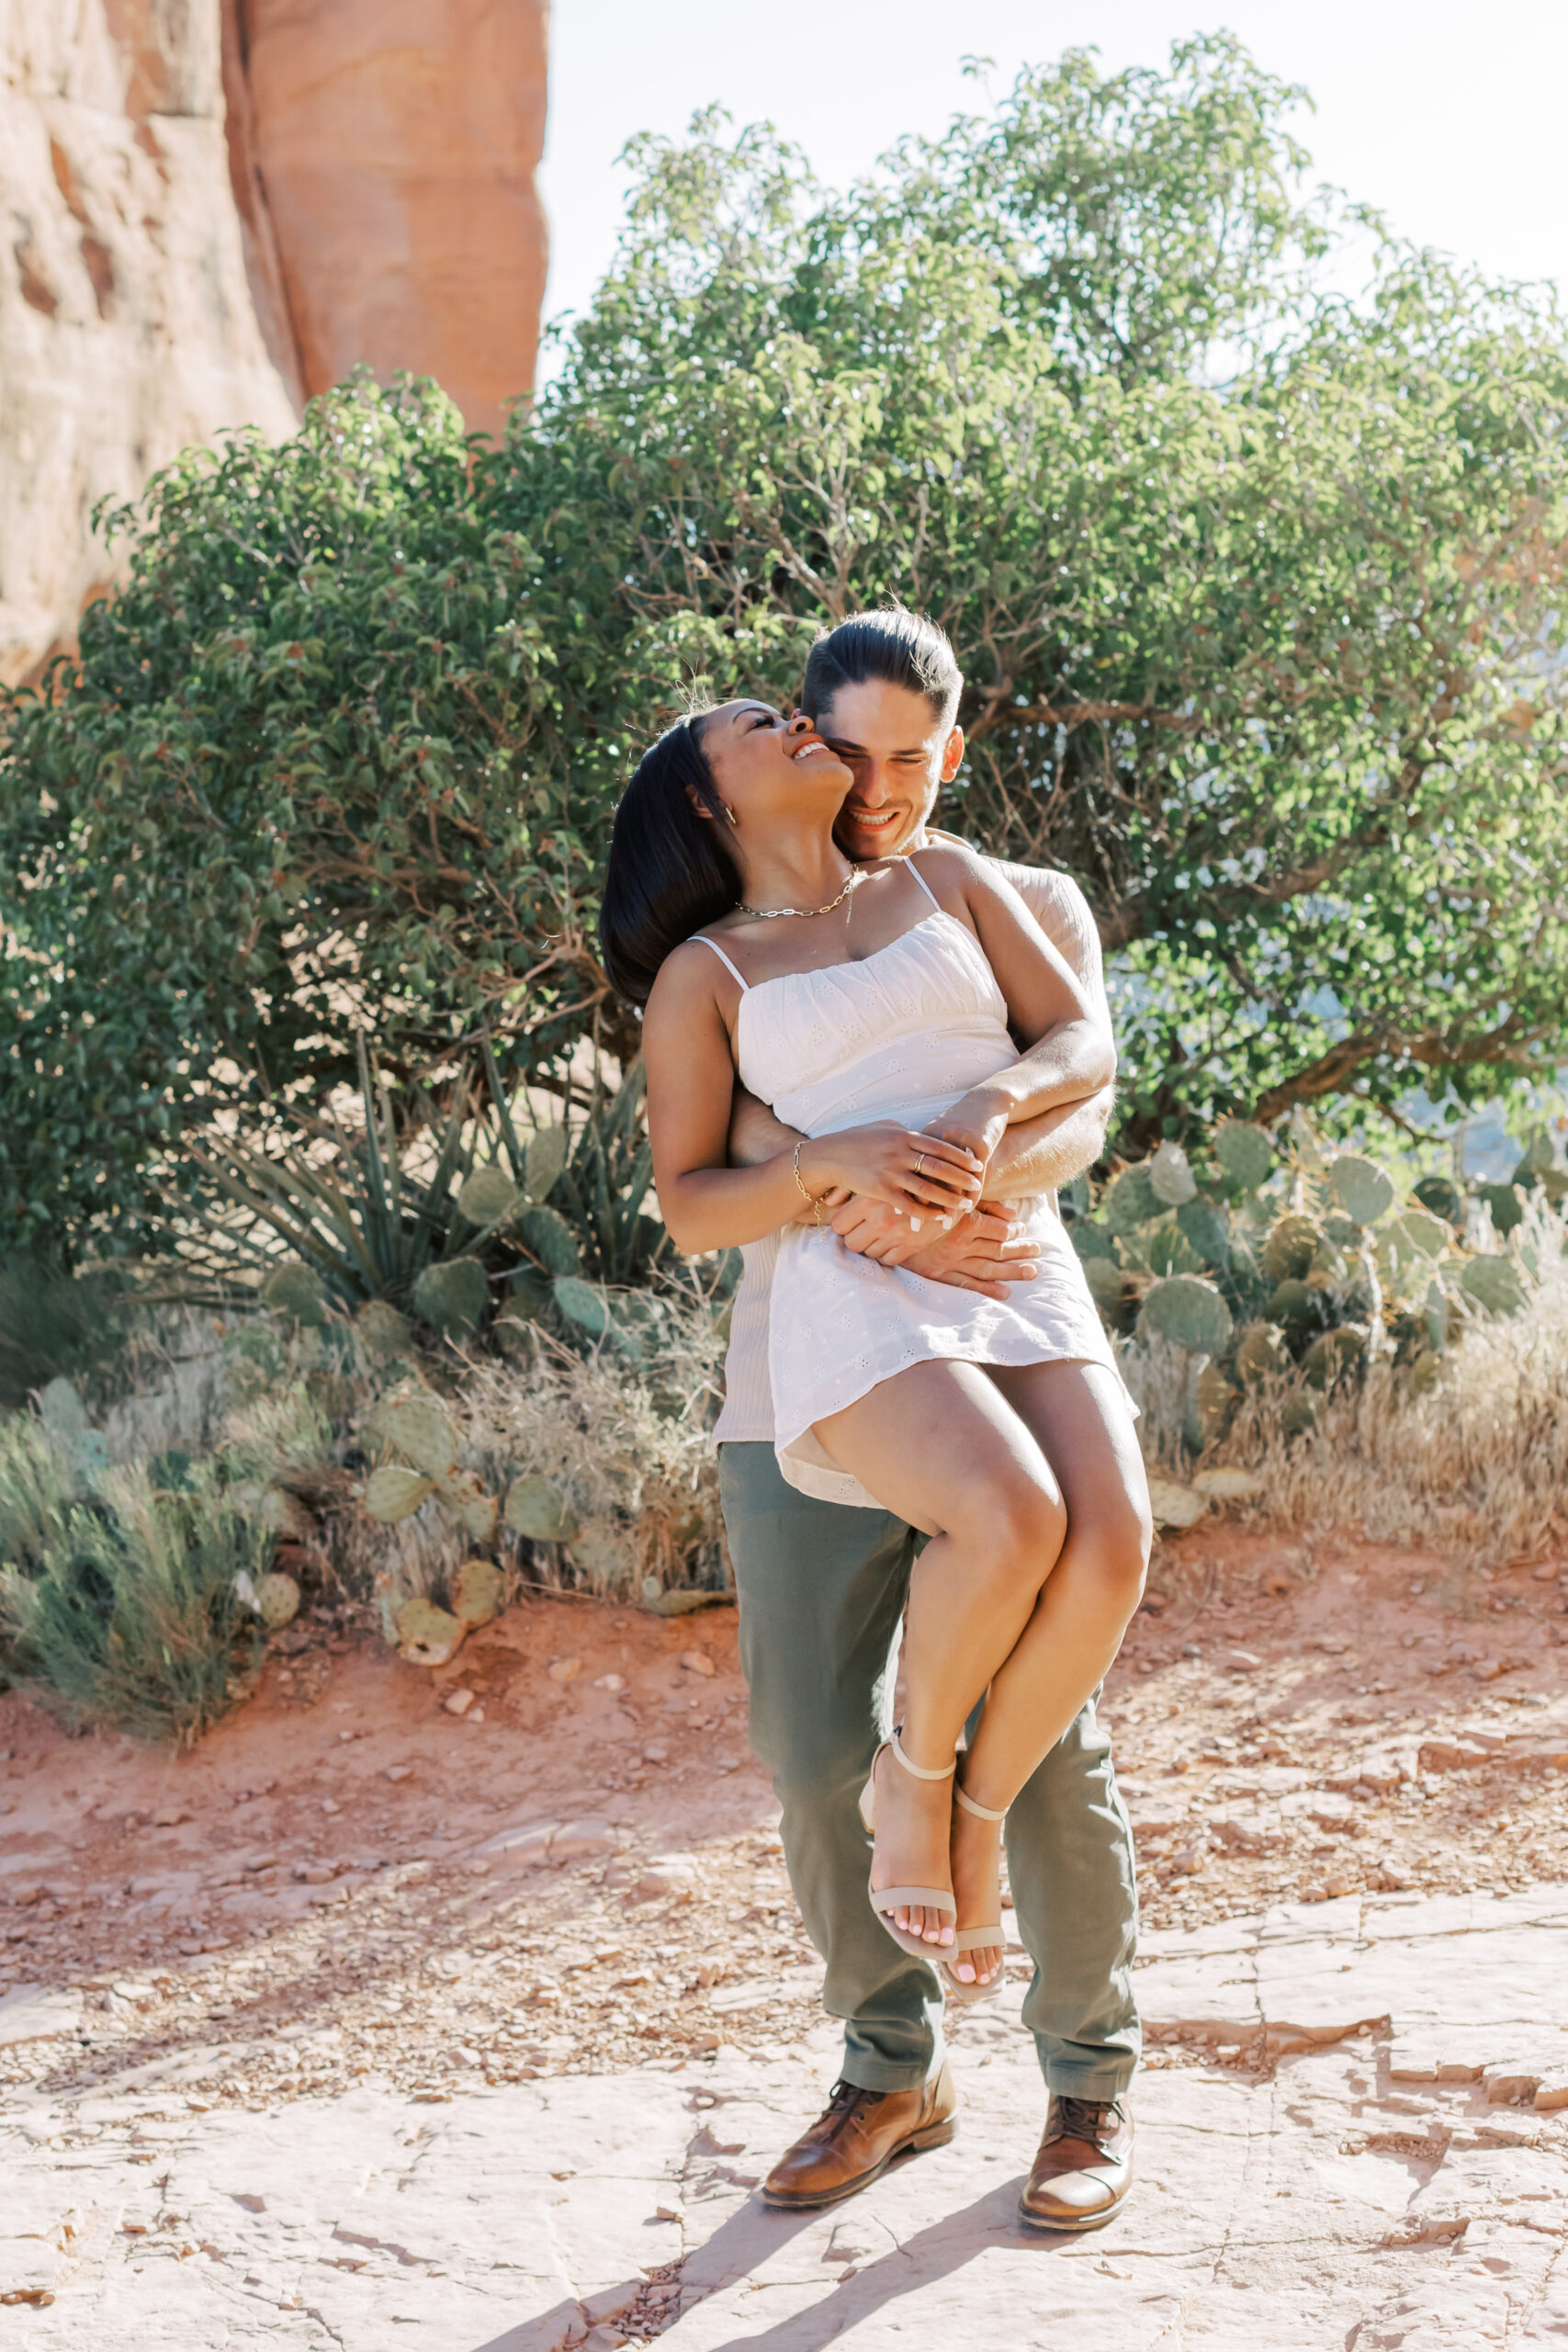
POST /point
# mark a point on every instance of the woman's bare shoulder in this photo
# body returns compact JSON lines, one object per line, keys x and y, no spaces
{"x":949,"y":866}
{"x":690,"y":977}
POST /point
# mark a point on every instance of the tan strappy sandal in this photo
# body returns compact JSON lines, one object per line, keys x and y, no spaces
{"x":886,"y":1900}
{"x":973,"y":1938}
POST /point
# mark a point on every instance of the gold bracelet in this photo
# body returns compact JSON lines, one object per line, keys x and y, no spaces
{"x":810,"y":1197}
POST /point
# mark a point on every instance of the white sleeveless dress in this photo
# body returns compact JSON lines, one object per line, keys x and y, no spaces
{"x":902,"y":1034}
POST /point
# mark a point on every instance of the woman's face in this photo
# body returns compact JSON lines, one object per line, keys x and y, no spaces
{"x":770,"y":769}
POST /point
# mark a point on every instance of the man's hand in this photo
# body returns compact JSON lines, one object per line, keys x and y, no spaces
{"x":982,"y":1252}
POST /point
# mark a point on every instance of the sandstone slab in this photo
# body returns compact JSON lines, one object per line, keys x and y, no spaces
{"x":1313,"y":2194}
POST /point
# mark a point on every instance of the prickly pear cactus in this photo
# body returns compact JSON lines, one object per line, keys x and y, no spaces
{"x":543,"y":1160}
{"x":1288,"y":1252}
{"x":1170,"y":1176}
{"x":1131,"y":1200}
{"x":536,"y":1508}
{"x":278,"y":1599}
{"x":1187,"y":1311}
{"x":546,"y":1233}
{"x":383,"y":1336}
{"x":452,"y":1296}
{"x":1245,"y":1152}
{"x":296,"y":1290}
{"x":1364,"y":1191}
{"x":491,"y":1198}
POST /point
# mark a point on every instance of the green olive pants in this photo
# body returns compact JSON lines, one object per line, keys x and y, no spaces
{"x":822,"y":1588}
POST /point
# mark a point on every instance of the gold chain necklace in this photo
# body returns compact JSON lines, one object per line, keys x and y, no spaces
{"x":772,"y":914}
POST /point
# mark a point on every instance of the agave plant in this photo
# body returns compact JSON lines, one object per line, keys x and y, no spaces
{"x":365,"y":1224}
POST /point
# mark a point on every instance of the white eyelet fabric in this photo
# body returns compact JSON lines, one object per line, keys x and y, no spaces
{"x":899,"y":1035}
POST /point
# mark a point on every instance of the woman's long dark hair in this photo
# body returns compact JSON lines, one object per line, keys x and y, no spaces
{"x":671,"y":871}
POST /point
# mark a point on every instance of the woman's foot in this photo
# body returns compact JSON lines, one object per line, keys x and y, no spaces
{"x":913,"y":1821}
{"x":976,"y":1860}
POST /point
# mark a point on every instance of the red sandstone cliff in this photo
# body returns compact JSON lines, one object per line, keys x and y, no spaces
{"x":213,"y":207}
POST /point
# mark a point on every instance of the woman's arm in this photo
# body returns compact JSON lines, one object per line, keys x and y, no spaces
{"x":706,"y":1204}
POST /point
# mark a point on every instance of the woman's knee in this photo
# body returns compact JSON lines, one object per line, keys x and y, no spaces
{"x":1021,"y":1529}
{"x":1117,"y":1533}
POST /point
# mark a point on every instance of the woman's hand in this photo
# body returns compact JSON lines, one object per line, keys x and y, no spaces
{"x":975,"y":1124}
{"x":923,"y":1177}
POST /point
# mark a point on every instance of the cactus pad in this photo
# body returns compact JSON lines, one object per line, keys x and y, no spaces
{"x":1214,"y":1401}
{"x":1261,"y":1353}
{"x":536,"y":1508}
{"x":1288,"y":1252}
{"x":416,"y":1428}
{"x":1335,"y":1355}
{"x":451,"y":1298}
{"x":278,"y":1599}
{"x":1175,"y":1506}
{"x":1507,"y":1208}
{"x":1131,"y":1200}
{"x":1187,"y":1311}
{"x":393,"y":1493}
{"x":1363,"y":1191}
{"x":1444,"y":1200}
{"x":383,"y":1334}
{"x":475,"y":1592}
{"x":490,"y":1197}
{"x":543,"y":1159}
{"x":1171,"y":1176}
{"x":585,"y":1306}
{"x":551,"y":1239}
{"x":1493,"y":1284}
{"x":296,"y":1290}
{"x":1204,"y":1225}
{"x":1245,"y":1152}
{"x":427,"y":1636}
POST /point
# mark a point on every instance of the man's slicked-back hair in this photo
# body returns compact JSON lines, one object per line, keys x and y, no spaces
{"x":892,"y":644}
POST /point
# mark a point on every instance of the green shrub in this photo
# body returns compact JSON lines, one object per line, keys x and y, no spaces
{"x":130,"y":1613}
{"x":1258,"y":591}
{"x":54,"y":1325}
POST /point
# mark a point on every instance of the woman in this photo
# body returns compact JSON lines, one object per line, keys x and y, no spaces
{"x":872,"y":1006}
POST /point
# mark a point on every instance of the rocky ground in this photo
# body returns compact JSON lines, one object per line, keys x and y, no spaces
{"x":375,"y":1890}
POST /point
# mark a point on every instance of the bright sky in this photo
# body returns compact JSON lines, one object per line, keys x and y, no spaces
{"x":1447,"y":116}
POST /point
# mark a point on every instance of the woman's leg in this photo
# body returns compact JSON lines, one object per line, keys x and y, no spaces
{"x":1079,"y":1416}
{"x":941,"y":1446}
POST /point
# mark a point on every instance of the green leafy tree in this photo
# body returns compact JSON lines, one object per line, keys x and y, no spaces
{"x":1258,"y":590}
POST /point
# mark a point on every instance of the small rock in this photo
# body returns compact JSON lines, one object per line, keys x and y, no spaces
{"x":169,"y":1816}
{"x":668,"y":2213}
{"x":609,"y":1682}
{"x":330,"y":1804}
{"x":399,"y":1771}
{"x":656,"y":1756}
{"x":565,"y":1670}
{"x":458,"y":1703}
{"x":1339,"y":1887}
{"x":1242,"y":1661}
{"x":696,"y":1662}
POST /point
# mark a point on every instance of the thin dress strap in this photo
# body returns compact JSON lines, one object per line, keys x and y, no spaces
{"x":920,"y":878}
{"x":704,"y":941}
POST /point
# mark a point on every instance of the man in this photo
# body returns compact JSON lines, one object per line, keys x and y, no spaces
{"x":822,"y":1586}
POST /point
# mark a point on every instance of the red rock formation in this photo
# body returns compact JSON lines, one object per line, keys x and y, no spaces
{"x":394,"y":146}
{"x":215,"y":207}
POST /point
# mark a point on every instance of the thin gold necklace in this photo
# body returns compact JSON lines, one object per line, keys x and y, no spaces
{"x":772,"y":914}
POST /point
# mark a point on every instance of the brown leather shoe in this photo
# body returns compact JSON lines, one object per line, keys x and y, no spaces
{"x":1084,"y":2169}
{"x":857,"y":2136}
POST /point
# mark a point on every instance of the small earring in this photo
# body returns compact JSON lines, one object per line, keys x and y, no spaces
{"x":729,"y":813}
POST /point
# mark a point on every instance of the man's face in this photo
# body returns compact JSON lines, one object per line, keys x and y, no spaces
{"x":899,"y":755}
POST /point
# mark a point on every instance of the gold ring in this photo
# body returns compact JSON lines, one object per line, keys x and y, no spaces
{"x":920,"y":1161}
